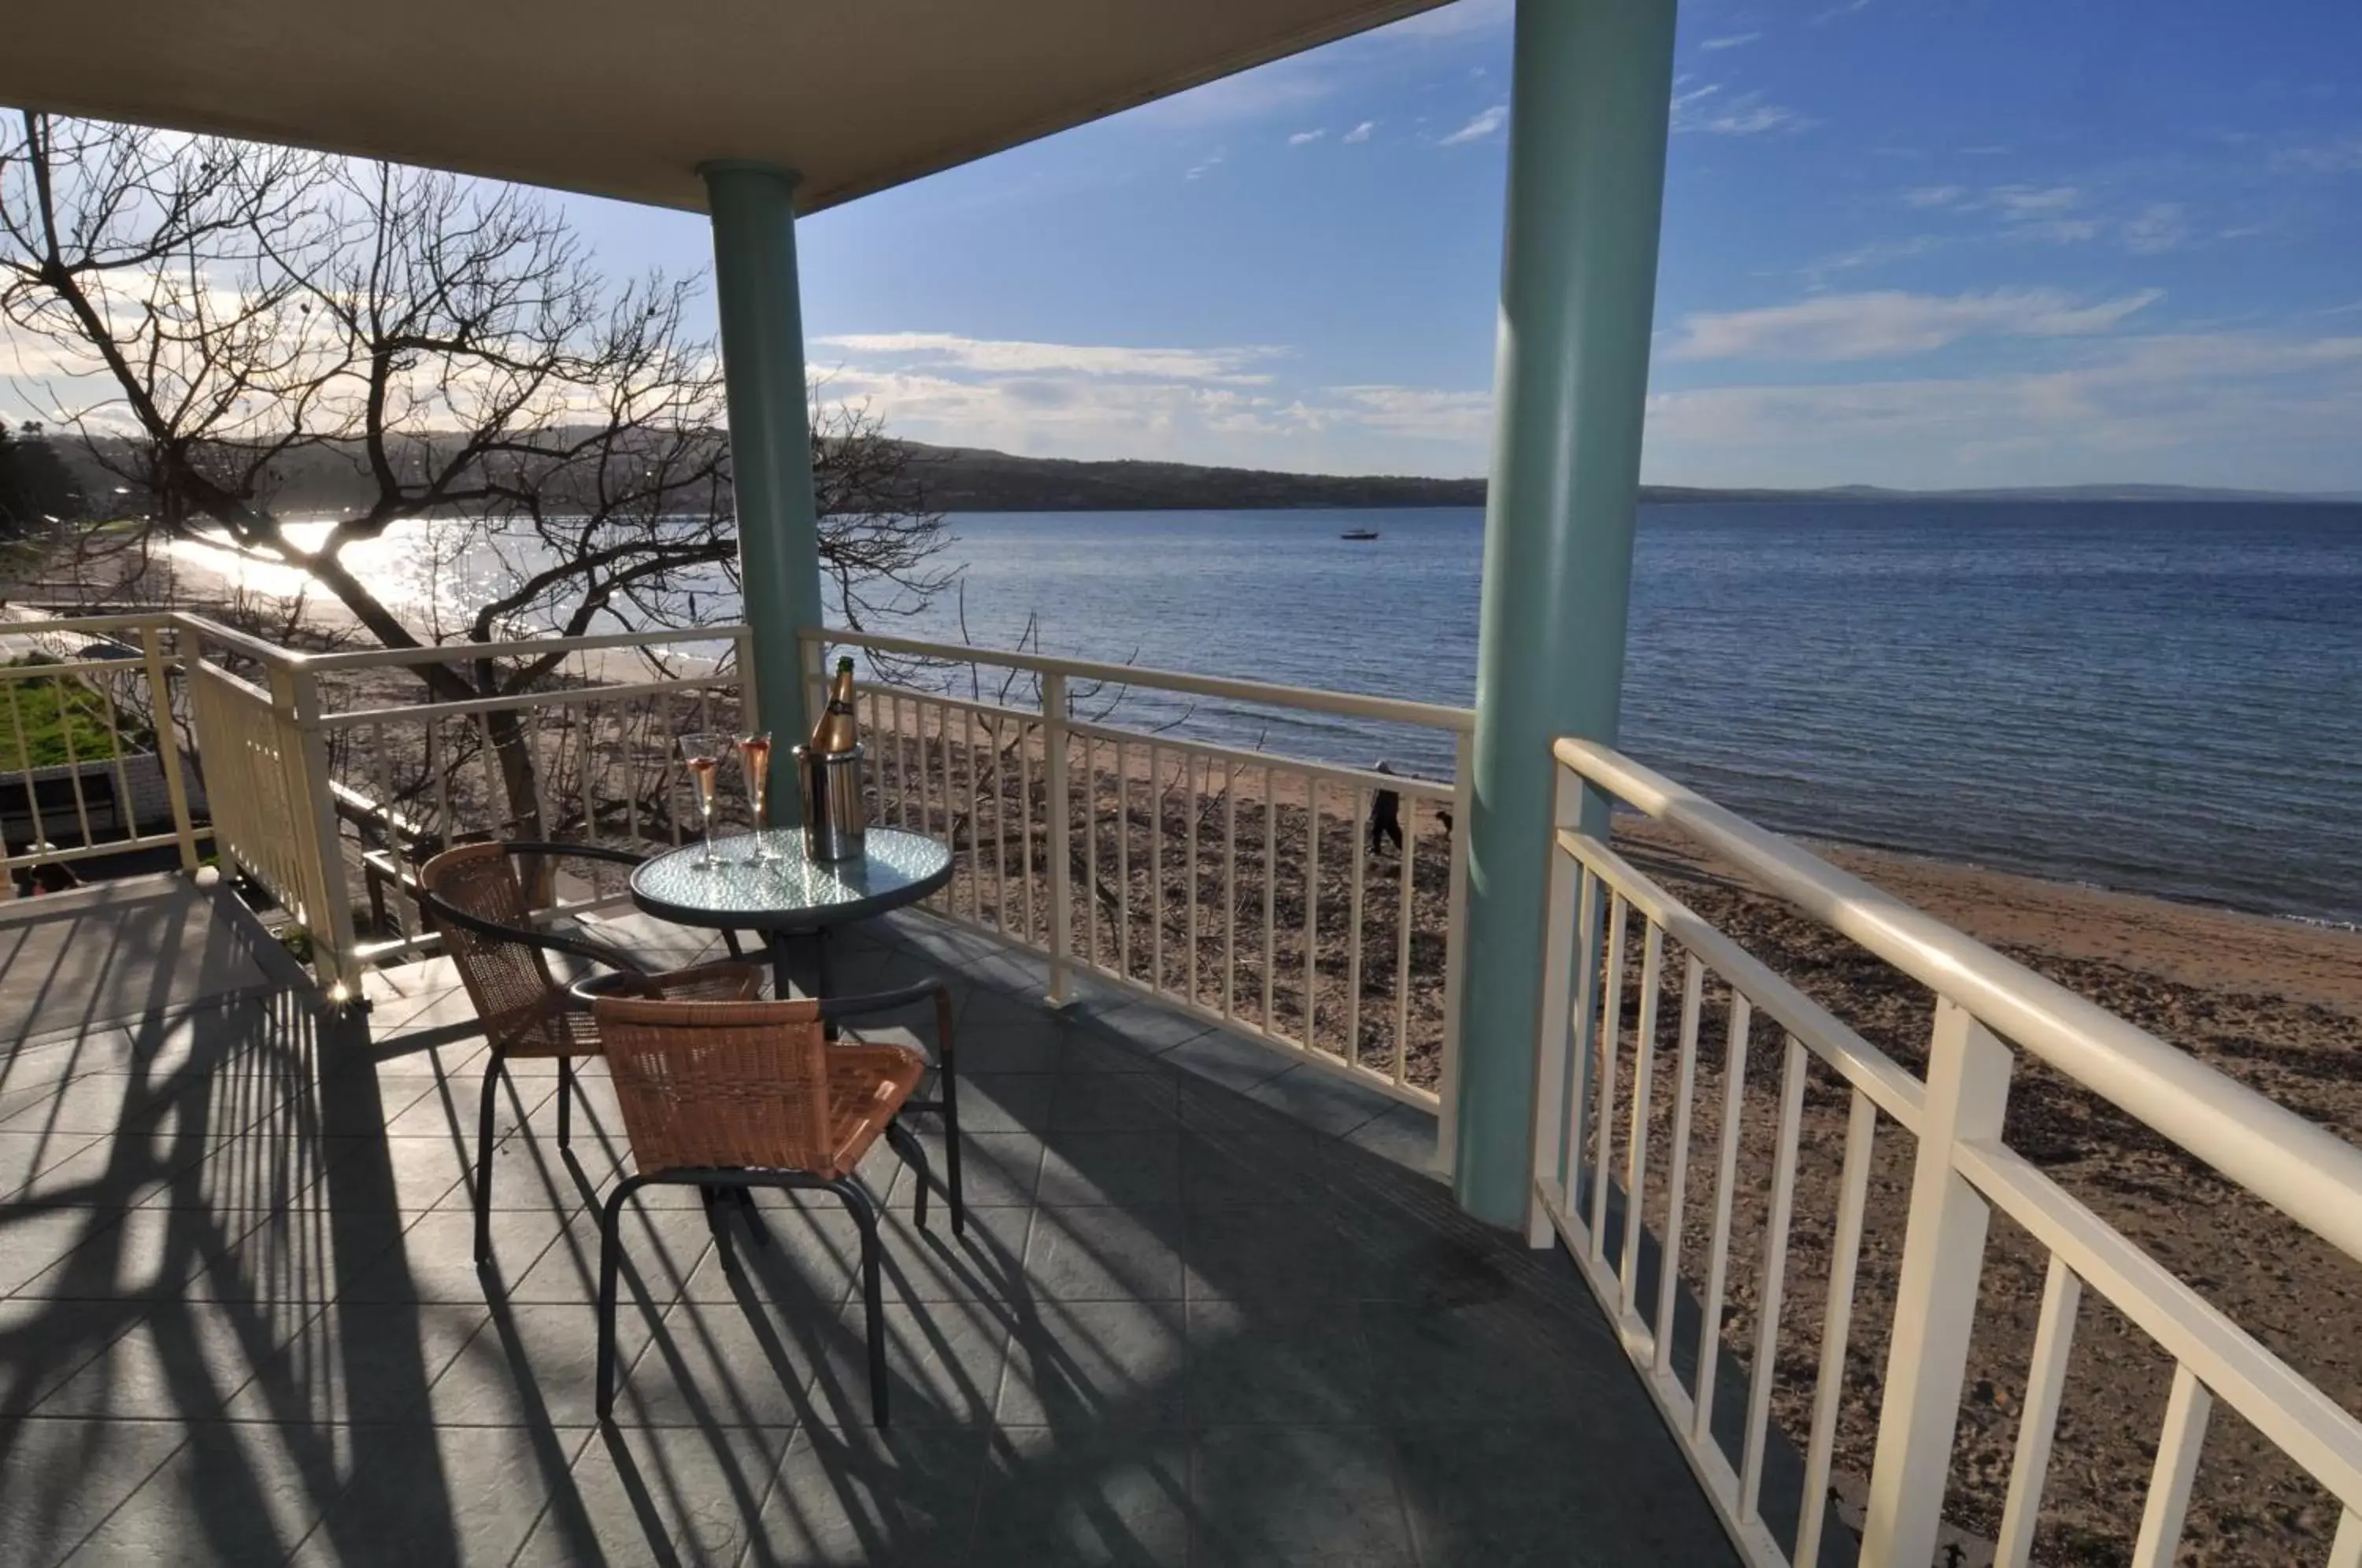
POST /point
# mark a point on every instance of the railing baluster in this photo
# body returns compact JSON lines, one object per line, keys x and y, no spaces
{"x":1270,"y":899}
{"x":1717,"y":1271}
{"x":2346,"y":1552}
{"x":1406,"y":881}
{"x":1230,"y":887}
{"x":1059,"y":830}
{"x":1773,"y":1293}
{"x":1636,"y":1142}
{"x":440,"y":774}
{"x":1836,"y":1324}
{"x":1606,"y":1031}
{"x":66,"y":712}
{"x":168,"y":745}
{"x":1025,"y":832}
{"x":1571,"y":1047}
{"x":900,"y":735}
{"x":2186,"y":1411}
{"x":1677,"y":1176}
{"x":1123,"y":860}
{"x":125,"y":824}
{"x":586,"y":760}
{"x":1156,"y":867}
{"x":1189,"y":822}
{"x":2037,"y":1419}
{"x":951,"y":823}
{"x":976,"y":825}
{"x":1000,"y":835}
{"x":1311,"y":912}
{"x":1935,"y":1292}
{"x":1353,"y":927}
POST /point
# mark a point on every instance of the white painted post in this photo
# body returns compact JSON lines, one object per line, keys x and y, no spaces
{"x":1935,"y":1297}
{"x":1061,"y":844}
{"x":1455,"y":951}
{"x":168,"y":742}
{"x":334,"y":944}
{"x":1553,"y":1045}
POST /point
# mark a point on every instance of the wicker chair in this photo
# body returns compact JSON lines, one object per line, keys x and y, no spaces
{"x":744,"y":1095}
{"x":474,"y":898}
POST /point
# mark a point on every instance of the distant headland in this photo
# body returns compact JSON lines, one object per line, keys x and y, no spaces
{"x":972,"y":479}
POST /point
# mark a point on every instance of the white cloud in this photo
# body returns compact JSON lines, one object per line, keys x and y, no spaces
{"x":1934,"y":196}
{"x":1233,"y":365}
{"x":2225,"y":408}
{"x":1704,"y":109}
{"x":1359,"y":134}
{"x":1415,"y":411}
{"x":2340,"y":156}
{"x":1889,"y":323}
{"x":2159,"y":228}
{"x":1200,"y":169}
{"x":2030,"y":202}
{"x":1483,"y":125}
{"x":1305,"y":137}
{"x":1731,"y":40}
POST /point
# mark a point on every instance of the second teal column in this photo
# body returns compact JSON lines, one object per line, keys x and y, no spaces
{"x":1589,"y":103}
{"x":770,"y":432}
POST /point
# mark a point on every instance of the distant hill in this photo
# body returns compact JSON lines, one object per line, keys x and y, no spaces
{"x":974,"y":479}
{"x":971,"y":478}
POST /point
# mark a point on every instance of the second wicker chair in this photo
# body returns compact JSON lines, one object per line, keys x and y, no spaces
{"x":745,"y":1095}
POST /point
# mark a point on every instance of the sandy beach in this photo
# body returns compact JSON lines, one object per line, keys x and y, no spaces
{"x":2274,"y":1004}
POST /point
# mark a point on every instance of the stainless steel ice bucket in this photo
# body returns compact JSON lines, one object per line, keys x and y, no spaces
{"x":833,"y":814}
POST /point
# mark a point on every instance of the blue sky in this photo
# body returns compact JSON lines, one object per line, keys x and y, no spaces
{"x":1907,"y":242}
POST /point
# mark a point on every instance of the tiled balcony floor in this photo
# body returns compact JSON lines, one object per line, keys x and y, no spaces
{"x":1207,"y":1310}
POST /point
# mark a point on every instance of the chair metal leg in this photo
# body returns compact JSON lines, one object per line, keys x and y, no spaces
{"x":565,"y":1101}
{"x":493,"y":1073}
{"x":949,"y":1088}
{"x":609,"y":1260}
{"x":718,"y":1222}
{"x":745,"y":1196}
{"x":865,"y":1214}
{"x":906,"y":1144}
{"x":730,"y":941}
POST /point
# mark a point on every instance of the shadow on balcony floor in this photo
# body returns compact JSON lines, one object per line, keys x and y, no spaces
{"x":115,"y":952}
{"x":1204,"y":1312}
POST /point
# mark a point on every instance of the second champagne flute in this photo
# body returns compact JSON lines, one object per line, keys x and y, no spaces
{"x":701,"y":755}
{"x":754,"y":755}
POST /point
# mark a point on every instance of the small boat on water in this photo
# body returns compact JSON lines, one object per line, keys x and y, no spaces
{"x":1361,"y":536}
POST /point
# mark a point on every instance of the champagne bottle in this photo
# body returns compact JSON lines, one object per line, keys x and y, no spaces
{"x":838,"y":728}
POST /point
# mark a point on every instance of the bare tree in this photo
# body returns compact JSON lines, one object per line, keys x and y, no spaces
{"x":224,"y":324}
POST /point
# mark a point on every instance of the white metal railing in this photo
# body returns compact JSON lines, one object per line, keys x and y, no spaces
{"x":585,"y":751}
{"x":1601,"y":1177}
{"x":1233,"y":884}
{"x":90,"y":766}
{"x":1246,"y":886}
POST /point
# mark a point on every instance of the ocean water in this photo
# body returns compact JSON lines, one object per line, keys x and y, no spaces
{"x":2164,"y":698}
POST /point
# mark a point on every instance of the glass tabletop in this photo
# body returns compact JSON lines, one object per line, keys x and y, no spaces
{"x":790,"y":891}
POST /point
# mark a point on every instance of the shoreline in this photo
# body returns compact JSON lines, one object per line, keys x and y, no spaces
{"x":2213,"y":947}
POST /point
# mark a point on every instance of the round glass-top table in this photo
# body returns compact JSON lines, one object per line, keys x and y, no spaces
{"x":789,"y":895}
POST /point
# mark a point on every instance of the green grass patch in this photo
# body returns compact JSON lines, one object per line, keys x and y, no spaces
{"x":40,"y":715}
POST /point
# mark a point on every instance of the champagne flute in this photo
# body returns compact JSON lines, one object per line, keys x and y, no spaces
{"x":754,"y":755}
{"x":701,"y":755}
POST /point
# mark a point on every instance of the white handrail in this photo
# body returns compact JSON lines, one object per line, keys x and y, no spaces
{"x":1351,"y":704}
{"x":2307,"y":1172}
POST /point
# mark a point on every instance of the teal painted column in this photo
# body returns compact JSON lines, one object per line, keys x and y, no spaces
{"x":770,"y":432}
{"x":1590,"y":94}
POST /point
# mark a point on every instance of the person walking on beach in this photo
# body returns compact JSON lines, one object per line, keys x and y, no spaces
{"x":1386,"y":814}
